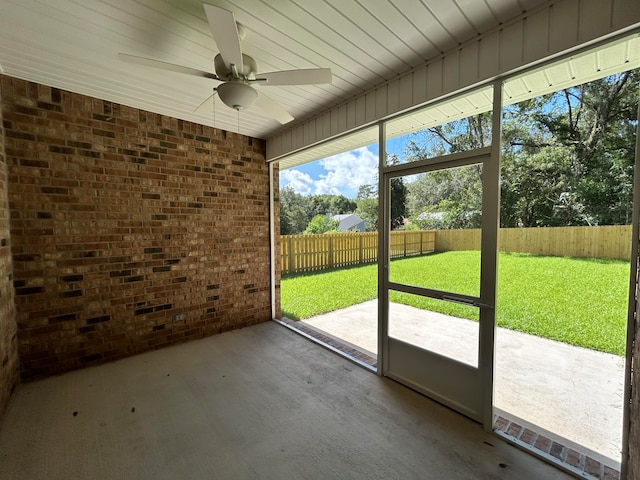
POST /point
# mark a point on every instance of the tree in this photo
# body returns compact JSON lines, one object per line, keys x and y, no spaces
{"x":533,"y":186}
{"x":457,"y":136}
{"x":450,"y":198}
{"x":368,"y":211}
{"x":367,"y":206}
{"x":321,"y":224}
{"x":367,"y":191}
{"x":568,"y":156}
{"x":339,"y":204}
{"x":398,"y":197}
{"x":294,"y":209}
{"x":599,"y":125}
{"x":367,"y":201}
{"x":334,"y":204}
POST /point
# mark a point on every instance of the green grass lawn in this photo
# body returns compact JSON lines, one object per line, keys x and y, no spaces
{"x":576,"y":301}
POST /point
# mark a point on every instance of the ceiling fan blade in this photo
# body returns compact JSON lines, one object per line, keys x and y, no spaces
{"x":272,"y":109}
{"x":206,"y":108}
{"x":225,"y":32}
{"x":148,"y":62}
{"x":310,"y":76}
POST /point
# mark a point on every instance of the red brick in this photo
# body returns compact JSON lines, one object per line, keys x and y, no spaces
{"x":501,"y":424}
{"x":573,"y":458}
{"x":543,"y":443}
{"x":514,"y":430}
{"x":528,"y":436}
{"x":592,"y":467}
{"x":610,"y":474}
{"x":557,"y":450}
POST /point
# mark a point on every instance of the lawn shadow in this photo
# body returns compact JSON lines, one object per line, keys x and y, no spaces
{"x":600,"y":261}
{"x":313,"y":273}
{"x":371,"y":263}
{"x":289,"y":315}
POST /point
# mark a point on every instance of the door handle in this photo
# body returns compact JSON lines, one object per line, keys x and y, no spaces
{"x":465,"y":301}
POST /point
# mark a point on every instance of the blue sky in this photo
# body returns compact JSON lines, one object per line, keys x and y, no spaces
{"x":341,"y":174}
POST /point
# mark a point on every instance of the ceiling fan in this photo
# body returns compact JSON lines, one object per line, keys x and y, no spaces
{"x":236,"y":74}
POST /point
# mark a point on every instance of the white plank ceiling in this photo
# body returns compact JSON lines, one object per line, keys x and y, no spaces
{"x":73,"y":45}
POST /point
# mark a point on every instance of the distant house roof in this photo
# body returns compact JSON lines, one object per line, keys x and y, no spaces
{"x":349,"y":221}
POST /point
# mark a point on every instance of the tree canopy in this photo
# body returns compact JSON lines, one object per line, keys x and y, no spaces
{"x":568,"y":156}
{"x":321,"y":224}
{"x":297,"y":210}
{"x":368,"y":201}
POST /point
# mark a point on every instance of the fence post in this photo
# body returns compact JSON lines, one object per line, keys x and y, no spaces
{"x":330,"y":251}
{"x":291,"y":262}
{"x":404,"y":239}
{"x":361,"y":254}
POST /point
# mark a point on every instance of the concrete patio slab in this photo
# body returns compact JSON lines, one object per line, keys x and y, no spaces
{"x":573,"y":393}
{"x":259,"y":403}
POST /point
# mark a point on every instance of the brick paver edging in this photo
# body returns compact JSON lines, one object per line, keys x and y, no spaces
{"x":579,"y":462}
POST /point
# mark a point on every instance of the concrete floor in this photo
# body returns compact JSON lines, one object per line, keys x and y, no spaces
{"x":574,"y":394}
{"x":258,"y":403}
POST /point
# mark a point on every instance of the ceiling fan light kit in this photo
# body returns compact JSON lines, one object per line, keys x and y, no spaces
{"x":237,"y":95}
{"x":236,"y":73}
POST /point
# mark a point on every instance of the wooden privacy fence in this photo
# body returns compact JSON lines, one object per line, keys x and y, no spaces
{"x":304,"y":253}
{"x":609,"y":241}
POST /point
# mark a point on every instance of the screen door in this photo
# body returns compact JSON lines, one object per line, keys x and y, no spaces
{"x":438,"y":301}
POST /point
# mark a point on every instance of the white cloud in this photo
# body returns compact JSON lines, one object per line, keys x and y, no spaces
{"x":341,"y":174}
{"x":300,"y":182}
{"x":345,"y":172}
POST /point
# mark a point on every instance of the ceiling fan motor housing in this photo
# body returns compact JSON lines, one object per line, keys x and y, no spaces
{"x":247,"y":71}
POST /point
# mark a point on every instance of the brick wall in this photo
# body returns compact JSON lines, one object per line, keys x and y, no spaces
{"x":9,"y":367}
{"x":130,"y":230}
